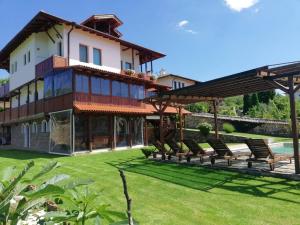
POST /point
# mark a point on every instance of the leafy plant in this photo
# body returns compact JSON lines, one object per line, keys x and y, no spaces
{"x":19,"y":195}
{"x":228,"y":128}
{"x":205,"y":129}
{"x":82,"y":207}
{"x":147,"y":151}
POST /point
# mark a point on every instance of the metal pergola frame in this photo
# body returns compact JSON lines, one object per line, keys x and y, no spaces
{"x":285,"y":76}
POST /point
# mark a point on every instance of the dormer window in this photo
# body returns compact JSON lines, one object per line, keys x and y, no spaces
{"x":83,"y":53}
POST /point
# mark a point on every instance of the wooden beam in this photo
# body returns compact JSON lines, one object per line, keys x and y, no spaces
{"x":294,"y":122}
{"x":180,"y":127}
{"x":215,"y":106}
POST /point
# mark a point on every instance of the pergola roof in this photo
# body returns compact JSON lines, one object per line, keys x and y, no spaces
{"x":256,"y":80}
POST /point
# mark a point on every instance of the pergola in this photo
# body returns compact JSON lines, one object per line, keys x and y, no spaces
{"x":285,"y":77}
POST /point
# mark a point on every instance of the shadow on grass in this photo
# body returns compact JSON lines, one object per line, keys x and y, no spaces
{"x":26,"y":155}
{"x":206,"y":179}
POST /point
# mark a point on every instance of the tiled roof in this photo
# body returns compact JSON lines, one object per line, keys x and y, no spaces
{"x":87,"y":107}
{"x":149,"y":109}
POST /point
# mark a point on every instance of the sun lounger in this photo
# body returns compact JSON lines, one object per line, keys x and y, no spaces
{"x":223,"y":152}
{"x":261,"y":152}
{"x":195,"y":150}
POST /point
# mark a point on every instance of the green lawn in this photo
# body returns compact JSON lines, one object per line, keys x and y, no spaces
{"x":171,"y":194}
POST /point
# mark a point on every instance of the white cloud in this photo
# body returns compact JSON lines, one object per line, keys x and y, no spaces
{"x":183,"y":23}
{"x":239,"y":5}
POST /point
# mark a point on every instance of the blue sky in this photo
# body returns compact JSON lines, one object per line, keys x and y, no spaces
{"x":203,"y":39}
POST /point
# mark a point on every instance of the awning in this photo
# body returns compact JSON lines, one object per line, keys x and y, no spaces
{"x":144,"y":110}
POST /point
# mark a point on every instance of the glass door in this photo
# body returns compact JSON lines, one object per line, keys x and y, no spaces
{"x":137,"y":131}
{"x":121,"y":131}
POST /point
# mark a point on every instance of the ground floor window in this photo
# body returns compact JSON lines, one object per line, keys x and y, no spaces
{"x":101,"y":132}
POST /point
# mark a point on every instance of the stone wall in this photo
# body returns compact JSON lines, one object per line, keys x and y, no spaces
{"x":38,"y":141}
{"x":194,"y":134}
{"x":274,"y":128}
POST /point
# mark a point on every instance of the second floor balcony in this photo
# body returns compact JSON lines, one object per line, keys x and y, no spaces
{"x":49,"y":64}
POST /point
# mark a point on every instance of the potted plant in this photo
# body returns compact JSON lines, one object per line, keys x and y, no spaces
{"x":129,"y":72}
{"x":141,"y":75}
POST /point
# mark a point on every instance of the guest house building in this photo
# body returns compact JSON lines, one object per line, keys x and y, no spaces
{"x":76,"y":86}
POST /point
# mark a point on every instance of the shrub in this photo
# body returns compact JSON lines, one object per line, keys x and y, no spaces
{"x":228,"y":128}
{"x":204,"y":128}
{"x":147,"y":151}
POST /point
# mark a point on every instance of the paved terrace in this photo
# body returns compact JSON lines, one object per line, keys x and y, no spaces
{"x":283,"y":169}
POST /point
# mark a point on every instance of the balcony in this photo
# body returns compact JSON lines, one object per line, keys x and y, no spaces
{"x":49,"y":64}
{"x":108,"y":100}
{"x":132,"y":73}
{"x":4,"y":90}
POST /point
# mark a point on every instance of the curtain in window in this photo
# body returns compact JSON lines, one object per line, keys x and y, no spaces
{"x":48,"y":86}
{"x":82,"y":83}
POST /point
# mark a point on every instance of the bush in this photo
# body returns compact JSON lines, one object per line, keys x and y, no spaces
{"x":204,"y":128}
{"x":228,"y":128}
{"x":147,"y":151}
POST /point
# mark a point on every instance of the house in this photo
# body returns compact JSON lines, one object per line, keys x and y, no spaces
{"x":174,"y":81}
{"x":76,"y":86}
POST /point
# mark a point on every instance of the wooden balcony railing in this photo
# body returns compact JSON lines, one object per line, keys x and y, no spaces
{"x":110,"y":100}
{"x":54,"y":104}
{"x":49,"y":64}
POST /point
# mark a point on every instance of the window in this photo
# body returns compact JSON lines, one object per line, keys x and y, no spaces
{"x":119,"y":89}
{"x":97,"y":59}
{"x":25,"y":59}
{"x":48,"y":86}
{"x":100,"y":86}
{"x":16,"y":67}
{"x":137,"y":91}
{"x":34,"y":128}
{"x":82,"y":83}
{"x":62,"y":83}
{"x":44,"y":126}
{"x":83,"y":53}
{"x":59,"y":49}
{"x":23,"y":128}
{"x":128,"y":66}
{"x":28,"y":56}
{"x":179,"y":85}
{"x":175,"y":85}
{"x":12,"y":68}
{"x":182,"y":85}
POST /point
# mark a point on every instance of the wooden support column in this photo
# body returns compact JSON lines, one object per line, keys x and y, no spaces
{"x":294,"y":123}
{"x":4,"y":106}
{"x":19,"y":103}
{"x":35,"y":96}
{"x":151,"y":64}
{"x":10,"y":106}
{"x":28,"y":89}
{"x":180,"y":127}
{"x":145,"y":133}
{"x":132,"y":54}
{"x":112,"y":132}
{"x":215,"y":106}
{"x":90,"y":133}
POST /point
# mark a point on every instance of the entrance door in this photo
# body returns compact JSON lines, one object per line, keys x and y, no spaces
{"x":26,"y":136}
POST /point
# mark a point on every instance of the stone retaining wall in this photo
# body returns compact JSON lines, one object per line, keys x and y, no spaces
{"x":38,"y":141}
{"x":281,"y":129}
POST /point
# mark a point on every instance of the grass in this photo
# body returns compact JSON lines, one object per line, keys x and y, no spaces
{"x":171,"y":194}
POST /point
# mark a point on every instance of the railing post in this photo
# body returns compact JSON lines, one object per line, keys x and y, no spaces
{"x":215,"y":106}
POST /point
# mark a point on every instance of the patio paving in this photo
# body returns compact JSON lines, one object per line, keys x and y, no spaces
{"x":283,"y":169}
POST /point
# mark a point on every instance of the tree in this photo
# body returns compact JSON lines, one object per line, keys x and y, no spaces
{"x":266,"y":96}
{"x":246,"y":104}
{"x":254,"y":100}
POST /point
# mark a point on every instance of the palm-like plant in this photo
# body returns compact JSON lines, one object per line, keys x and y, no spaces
{"x":19,"y":195}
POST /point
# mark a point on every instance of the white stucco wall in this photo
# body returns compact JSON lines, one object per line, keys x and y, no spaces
{"x":41,"y":47}
{"x":111,"y":56}
{"x":168,"y":81}
{"x":126,"y":56}
{"x":24,"y":73}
